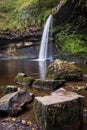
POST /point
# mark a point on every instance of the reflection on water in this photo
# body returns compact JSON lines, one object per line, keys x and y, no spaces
{"x":36,"y":69}
{"x":42,"y":69}
{"x":9,"y":69}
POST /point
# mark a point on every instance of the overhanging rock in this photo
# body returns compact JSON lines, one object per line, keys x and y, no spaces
{"x":61,"y":110}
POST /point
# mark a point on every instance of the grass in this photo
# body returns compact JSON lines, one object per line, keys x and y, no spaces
{"x":20,"y":14}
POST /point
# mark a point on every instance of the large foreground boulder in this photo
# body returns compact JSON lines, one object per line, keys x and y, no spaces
{"x":48,"y":84}
{"x":23,"y":79}
{"x":61,"y":110}
{"x":14,"y":102}
{"x":64,"y":70}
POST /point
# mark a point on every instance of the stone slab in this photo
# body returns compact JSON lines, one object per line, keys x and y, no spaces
{"x":59,"y":111}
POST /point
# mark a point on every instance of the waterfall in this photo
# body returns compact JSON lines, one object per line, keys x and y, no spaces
{"x":42,"y":69}
{"x":45,"y":39}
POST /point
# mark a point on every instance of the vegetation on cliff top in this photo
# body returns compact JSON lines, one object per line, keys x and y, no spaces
{"x":19,"y":14}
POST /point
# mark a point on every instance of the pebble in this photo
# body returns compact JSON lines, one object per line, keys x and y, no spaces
{"x":17,"y":124}
{"x":85,"y":113}
{"x":23,"y":122}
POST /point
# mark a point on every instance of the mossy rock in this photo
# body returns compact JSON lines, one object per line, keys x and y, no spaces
{"x":23,"y":79}
{"x":60,"y":111}
{"x":11,"y":89}
{"x":48,"y":84}
{"x":64,"y":70}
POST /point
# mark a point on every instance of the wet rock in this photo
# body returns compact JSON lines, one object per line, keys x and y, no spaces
{"x":23,"y":79}
{"x":48,"y":84}
{"x":85,"y":87}
{"x":84,"y":77}
{"x":14,"y":102}
{"x":64,"y":70}
{"x":85,"y":62}
{"x":85,"y":113}
{"x":11,"y":51}
{"x":11,"y":89}
{"x":23,"y":44}
{"x":31,"y":35}
{"x":61,"y":110}
{"x":28,"y":43}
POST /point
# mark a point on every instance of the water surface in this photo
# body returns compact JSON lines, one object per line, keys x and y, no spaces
{"x":36,"y":69}
{"x":9,"y":69}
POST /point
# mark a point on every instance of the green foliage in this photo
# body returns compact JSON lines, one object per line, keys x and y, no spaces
{"x":72,"y":43}
{"x":19,"y":14}
{"x":71,"y":35}
{"x":42,"y":17}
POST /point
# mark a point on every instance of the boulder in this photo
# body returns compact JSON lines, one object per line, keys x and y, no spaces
{"x":23,"y":79}
{"x":48,"y":84}
{"x":64,"y":70}
{"x":11,"y":89}
{"x":62,"y":110}
{"x":14,"y":102}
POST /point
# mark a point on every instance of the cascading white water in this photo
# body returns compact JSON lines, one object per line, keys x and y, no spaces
{"x":42,"y":69}
{"x":44,"y":40}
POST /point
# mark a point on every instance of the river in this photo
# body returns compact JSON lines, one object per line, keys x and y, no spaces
{"x":10,"y":67}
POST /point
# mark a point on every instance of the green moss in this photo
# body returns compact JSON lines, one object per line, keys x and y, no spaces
{"x":46,"y":84}
{"x":20,"y":14}
{"x":24,"y":80}
{"x":49,"y":84}
{"x":43,"y":83}
{"x":71,"y":43}
{"x":63,"y":115}
{"x":40,"y":114}
{"x":59,"y":70}
{"x":58,"y":116}
{"x":71,"y":33}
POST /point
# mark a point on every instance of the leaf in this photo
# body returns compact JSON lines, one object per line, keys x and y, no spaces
{"x":4,"y":101}
{"x":29,"y":123}
{"x":13,"y":119}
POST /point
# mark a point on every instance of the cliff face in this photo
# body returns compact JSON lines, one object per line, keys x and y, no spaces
{"x":71,"y":27}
